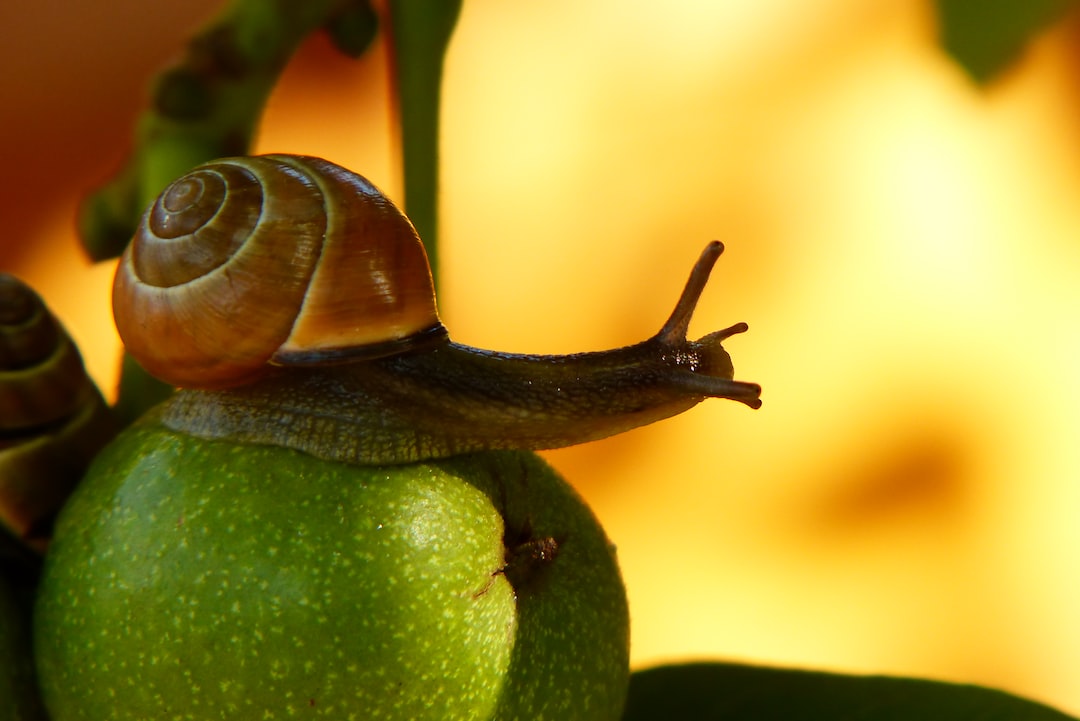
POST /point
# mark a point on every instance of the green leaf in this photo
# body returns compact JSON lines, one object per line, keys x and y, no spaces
{"x":730,"y":692}
{"x":984,"y":36}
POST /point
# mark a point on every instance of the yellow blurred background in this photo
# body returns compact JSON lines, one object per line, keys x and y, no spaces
{"x":904,"y":245}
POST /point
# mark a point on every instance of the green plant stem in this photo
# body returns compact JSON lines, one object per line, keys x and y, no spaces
{"x":209,"y":103}
{"x":421,"y":31}
{"x":208,"y":106}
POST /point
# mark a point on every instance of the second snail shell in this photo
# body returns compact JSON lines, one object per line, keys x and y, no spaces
{"x":53,"y":420}
{"x":251,"y":261}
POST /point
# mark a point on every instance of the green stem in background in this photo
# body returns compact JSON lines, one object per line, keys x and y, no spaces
{"x":207,"y":106}
{"x":209,"y":103}
{"x":421,"y":31}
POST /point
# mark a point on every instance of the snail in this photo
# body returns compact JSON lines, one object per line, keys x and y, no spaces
{"x":339,"y":505}
{"x":52,"y":417}
{"x":289,"y":288}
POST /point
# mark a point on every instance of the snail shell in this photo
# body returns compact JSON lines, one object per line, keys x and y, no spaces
{"x":251,"y":262}
{"x":52,"y":417}
{"x":41,"y":373}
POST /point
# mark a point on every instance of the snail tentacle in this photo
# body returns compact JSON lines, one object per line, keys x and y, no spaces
{"x":675,"y":328}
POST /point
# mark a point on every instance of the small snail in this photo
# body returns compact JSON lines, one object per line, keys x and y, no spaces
{"x":52,"y":417}
{"x":294,"y":303}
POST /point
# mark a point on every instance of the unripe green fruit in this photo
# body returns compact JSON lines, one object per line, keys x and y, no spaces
{"x":201,"y":579}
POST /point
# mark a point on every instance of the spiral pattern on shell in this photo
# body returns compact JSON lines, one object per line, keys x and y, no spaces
{"x":42,"y":378}
{"x":53,"y":420}
{"x":271,"y":260}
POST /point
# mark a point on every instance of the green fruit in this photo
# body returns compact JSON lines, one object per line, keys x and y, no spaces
{"x":201,"y":579}
{"x":19,"y":699}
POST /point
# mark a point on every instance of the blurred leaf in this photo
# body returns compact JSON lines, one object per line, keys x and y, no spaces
{"x":421,"y":31}
{"x":986,"y":35}
{"x":730,"y":692}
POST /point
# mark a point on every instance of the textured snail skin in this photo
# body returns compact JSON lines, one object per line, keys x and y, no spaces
{"x":52,"y":417}
{"x":452,"y":400}
{"x":300,"y":312}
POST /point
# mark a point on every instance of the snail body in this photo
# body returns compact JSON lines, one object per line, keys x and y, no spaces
{"x":309,"y":301}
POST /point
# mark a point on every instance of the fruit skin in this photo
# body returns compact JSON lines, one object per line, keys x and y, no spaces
{"x":199,"y":578}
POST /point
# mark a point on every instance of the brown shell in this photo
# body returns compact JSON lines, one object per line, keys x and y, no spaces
{"x":273,"y":259}
{"x":52,"y":418}
{"x":42,"y":379}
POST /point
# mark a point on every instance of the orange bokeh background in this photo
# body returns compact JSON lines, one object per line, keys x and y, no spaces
{"x":904,"y":245}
